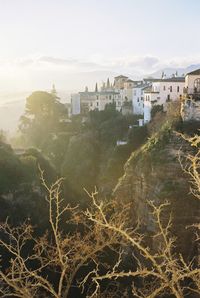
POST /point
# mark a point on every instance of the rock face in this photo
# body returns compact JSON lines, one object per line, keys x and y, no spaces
{"x":190,"y":110}
{"x":154,"y":173}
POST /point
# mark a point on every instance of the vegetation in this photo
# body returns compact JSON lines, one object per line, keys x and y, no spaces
{"x":156,"y":271}
{"x":44,"y":117}
{"x":58,"y":239}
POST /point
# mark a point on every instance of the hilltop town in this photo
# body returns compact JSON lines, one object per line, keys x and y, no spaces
{"x":139,"y":97}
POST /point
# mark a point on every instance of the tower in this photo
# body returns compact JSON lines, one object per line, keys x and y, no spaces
{"x":53,"y":91}
{"x":108,"y":84}
{"x":96,"y":88}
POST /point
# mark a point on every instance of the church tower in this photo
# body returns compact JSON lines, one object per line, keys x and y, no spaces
{"x":53,"y":91}
{"x":96,"y":88}
{"x":108,"y":84}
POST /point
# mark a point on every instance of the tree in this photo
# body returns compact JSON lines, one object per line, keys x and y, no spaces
{"x":52,"y":262}
{"x":81,"y":164}
{"x":43,"y":117}
{"x":158,"y":271}
{"x":156,"y":109}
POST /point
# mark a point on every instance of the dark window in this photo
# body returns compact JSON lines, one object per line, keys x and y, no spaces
{"x":197,"y":85}
{"x":170,"y":88}
{"x":178,"y":89}
{"x":164,"y":88}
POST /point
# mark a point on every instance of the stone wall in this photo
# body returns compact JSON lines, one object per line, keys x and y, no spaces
{"x":190,"y":110}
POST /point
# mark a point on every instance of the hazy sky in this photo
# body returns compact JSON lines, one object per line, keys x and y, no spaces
{"x":63,"y":41}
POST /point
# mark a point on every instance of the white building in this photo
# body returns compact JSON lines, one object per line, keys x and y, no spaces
{"x":192,"y":83}
{"x":151,"y":98}
{"x":190,"y":107}
{"x":119,"y":93}
{"x":162,"y":92}
{"x":75,"y":104}
{"x":170,"y":89}
{"x":97,"y":100}
{"x":138,"y":98}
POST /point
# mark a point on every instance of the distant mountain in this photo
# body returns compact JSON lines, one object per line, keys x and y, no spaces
{"x":169,"y":71}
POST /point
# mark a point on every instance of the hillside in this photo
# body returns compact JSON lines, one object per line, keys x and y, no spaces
{"x":154,"y":173}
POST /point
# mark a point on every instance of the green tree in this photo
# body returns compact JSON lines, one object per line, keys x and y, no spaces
{"x":44,"y":116}
{"x":81,"y":164}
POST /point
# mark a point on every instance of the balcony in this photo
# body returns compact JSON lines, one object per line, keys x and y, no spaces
{"x":193,"y":93}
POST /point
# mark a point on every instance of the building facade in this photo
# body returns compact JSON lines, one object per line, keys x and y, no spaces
{"x":138,"y":98}
{"x":75,"y":104}
{"x":161,"y":93}
{"x":190,"y":107}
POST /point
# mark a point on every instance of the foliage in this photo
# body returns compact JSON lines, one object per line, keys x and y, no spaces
{"x":43,"y":117}
{"x":137,"y":136}
{"x":158,"y":270}
{"x":20,"y":192}
{"x":81,"y":162}
{"x":51,"y":265}
{"x":155,"y":109}
{"x":10,"y":169}
{"x":188,"y":127}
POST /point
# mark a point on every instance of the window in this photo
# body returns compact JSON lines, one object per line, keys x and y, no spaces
{"x":138,"y":99}
{"x":170,"y":88}
{"x":110,"y":97}
{"x":197,"y":85}
{"x":178,"y":89}
{"x":164,"y":88}
{"x":97,"y":103}
{"x":97,"y":96}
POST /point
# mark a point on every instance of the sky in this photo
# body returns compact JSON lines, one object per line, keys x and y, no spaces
{"x":73,"y":43}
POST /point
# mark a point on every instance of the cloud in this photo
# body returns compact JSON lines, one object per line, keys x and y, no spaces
{"x":41,"y":71}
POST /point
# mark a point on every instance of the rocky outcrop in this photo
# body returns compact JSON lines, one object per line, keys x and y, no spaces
{"x":154,"y":173}
{"x":190,"y":110}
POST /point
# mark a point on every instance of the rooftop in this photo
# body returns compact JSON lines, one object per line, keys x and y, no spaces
{"x":195,"y":72}
{"x":121,"y":76}
{"x":151,"y":80}
{"x":142,"y":86}
{"x":173,"y":79}
{"x":131,"y":81}
{"x":99,"y":92}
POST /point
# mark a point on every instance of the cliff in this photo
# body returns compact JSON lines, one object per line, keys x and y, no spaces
{"x":154,"y":173}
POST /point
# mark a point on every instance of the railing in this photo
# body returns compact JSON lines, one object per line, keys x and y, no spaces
{"x":191,"y":91}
